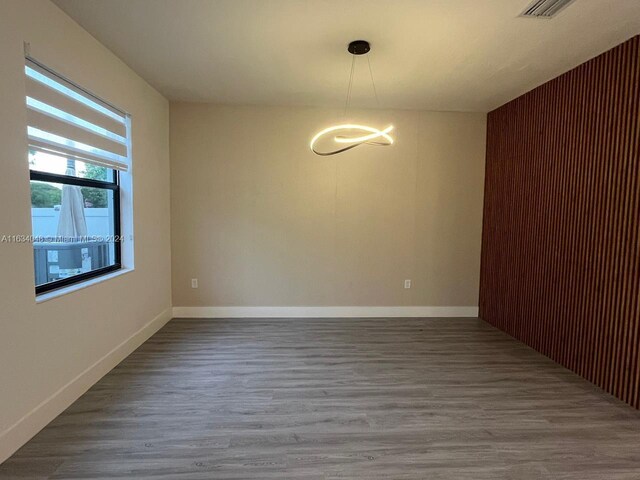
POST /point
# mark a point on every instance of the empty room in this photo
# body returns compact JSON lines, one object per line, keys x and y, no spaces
{"x":320,"y":239}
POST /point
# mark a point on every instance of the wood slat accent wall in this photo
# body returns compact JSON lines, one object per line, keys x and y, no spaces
{"x":561,"y":234}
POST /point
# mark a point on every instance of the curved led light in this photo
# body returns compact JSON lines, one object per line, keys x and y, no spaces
{"x":375,"y":133}
{"x":382,"y":136}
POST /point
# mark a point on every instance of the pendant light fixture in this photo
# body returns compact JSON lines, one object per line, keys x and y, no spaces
{"x":348,"y":135}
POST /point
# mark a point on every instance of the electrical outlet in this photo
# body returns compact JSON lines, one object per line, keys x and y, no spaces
{"x":407,"y":284}
{"x":194,"y":283}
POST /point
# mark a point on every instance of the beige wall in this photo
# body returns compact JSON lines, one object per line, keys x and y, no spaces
{"x":45,"y":346}
{"x":261,"y":221}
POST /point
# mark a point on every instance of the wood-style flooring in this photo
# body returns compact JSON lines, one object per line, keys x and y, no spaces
{"x":305,"y":399}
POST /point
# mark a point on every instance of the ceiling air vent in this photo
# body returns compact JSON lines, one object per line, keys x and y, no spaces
{"x":545,"y":8}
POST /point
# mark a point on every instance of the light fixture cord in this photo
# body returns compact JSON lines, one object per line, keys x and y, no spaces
{"x":375,"y":91}
{"x":346,"y":105}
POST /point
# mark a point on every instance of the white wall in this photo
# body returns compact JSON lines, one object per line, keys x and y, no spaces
{"x":51,"y":352}
{"x":263,"y":222}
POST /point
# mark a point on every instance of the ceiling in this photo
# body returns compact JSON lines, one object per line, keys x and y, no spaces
{"x":458,"y":55}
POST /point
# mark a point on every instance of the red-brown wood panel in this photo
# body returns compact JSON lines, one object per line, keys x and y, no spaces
{"x":561,"y":234}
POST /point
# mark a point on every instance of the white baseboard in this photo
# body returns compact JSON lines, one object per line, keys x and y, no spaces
{"x":322,"y":312}
{"x":34,"y":421}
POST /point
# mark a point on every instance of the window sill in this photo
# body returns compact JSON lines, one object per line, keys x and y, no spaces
{"x":79,"y":286}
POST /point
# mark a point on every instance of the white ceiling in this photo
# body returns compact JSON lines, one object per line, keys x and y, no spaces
{"x":462,"y":55}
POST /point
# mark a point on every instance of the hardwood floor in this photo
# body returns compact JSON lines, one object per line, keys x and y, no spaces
{"x":337,"y":399}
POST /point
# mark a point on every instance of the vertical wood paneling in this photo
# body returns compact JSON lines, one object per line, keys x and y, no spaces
{"x":561,"y":234}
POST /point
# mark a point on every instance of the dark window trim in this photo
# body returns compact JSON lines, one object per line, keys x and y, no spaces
{"x":79,"y":278}
{"x":80,"y":182}
{"x":86,"y":182}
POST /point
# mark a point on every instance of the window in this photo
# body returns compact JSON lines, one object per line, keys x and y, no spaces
{"x":78,"y":154}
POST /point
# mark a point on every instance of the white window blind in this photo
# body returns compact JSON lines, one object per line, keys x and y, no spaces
{"x":65,"y":120}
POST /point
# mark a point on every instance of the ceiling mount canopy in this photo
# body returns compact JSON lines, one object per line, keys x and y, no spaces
{"x":359,"y":47}
{"x":348,"y":135}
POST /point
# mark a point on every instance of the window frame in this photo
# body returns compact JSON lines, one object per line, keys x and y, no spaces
{"x":120,"y":181}
{"x":114,"y":186}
